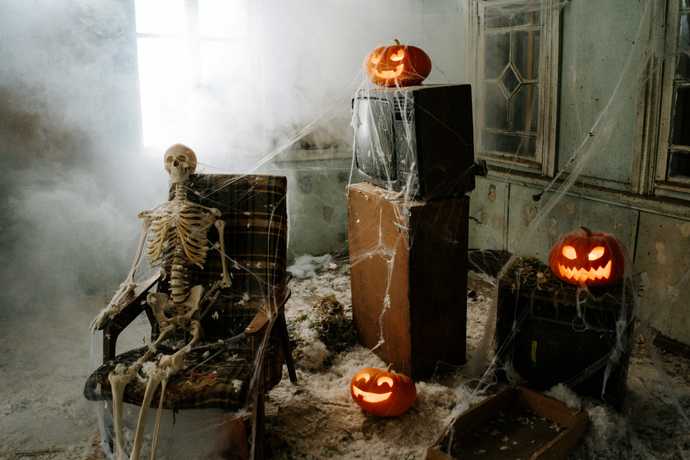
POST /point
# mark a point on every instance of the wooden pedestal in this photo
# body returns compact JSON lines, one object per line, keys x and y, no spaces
{"x":409,"y":277}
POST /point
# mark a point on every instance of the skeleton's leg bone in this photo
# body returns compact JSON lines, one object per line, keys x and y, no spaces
{"x":118,"y":382}
{"x":196,"y":333}
{"x":163,"y":334}
{"x":157,"y":428}
{"x":220,"y":226}
{"x":151,"y":386}
{"x":158,"y":301}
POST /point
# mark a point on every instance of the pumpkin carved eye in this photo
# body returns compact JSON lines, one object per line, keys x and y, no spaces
{"x":596,"y":253}
{"x":569,"y":252}
{"x":364,"y":377}
{"x":381,"y":380}
{"x":398,"y":56}
{"x":375,"y":59}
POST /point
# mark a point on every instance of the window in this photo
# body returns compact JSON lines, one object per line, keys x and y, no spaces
{"x":516,"y":81}
{"x":188,"y":51}
{"x":673,"y":163}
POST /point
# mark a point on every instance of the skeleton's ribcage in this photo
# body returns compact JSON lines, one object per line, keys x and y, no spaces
{"x":178,"y":240}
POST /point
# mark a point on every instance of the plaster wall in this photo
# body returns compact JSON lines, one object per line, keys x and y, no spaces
{"x":595,"y":43}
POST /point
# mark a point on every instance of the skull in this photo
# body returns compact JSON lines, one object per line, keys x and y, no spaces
{"x":180,"y":163}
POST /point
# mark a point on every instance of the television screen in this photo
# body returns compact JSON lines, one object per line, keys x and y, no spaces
{"x":374,"y":138}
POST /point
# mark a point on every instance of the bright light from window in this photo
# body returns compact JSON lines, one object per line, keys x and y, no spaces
{"x":222,"y":18}
{"x":191,"y":59}
{"x":160,"y":16}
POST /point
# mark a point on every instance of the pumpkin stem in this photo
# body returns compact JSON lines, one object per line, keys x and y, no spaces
{"x":397,"y":42}
{"x":390,"y":365}
{"x":586,"y":230}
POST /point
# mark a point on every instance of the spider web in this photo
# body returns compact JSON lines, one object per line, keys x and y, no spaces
{"x":594,"y":136}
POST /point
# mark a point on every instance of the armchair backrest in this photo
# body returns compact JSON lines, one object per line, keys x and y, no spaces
{"x":254,"y":208}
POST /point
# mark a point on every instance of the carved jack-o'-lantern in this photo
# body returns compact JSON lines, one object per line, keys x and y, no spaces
{"x":397,"y":65}
{"x":588,"y":258}
{"x":382,"y":392}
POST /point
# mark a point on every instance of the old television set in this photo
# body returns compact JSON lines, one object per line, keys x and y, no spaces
{"x":417,"y":139}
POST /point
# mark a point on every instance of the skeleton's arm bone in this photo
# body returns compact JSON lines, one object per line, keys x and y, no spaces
{"x":124,"y":293}
{"x":220,"y":227}
{"x":144,"y":215}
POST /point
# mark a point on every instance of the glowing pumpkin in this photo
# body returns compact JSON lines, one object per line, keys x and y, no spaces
{"x":382,"y":392}
{"x":397,"y":65}
{"x":588,"y":258}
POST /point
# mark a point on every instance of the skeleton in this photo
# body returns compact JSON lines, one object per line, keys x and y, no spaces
{"x":176,"y":238}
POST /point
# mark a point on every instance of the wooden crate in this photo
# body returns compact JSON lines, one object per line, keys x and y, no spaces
{"x":515,"y":423}
{"x":550,"y":337}
{"x":409,"y":277}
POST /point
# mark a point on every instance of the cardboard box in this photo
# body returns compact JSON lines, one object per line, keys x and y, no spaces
{"x":515,"y":423}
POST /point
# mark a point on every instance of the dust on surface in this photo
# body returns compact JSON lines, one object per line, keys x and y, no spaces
{"x":43,"y":415}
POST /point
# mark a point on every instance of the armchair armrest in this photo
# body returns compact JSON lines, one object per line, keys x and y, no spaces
{"x":260,"y":320}
{"x":124,"y":317}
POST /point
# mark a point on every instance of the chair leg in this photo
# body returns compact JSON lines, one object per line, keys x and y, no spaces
{"x":285,"y":343}
{"x":259,"y":440}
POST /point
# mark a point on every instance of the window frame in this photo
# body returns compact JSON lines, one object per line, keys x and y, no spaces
{"x":544,"y":162}
{"x":663,"y":185}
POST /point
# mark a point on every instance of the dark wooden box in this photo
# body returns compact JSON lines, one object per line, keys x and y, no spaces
{"x":515,"y":423}
{"x":549,"y":337}
{"x":409,"y":277}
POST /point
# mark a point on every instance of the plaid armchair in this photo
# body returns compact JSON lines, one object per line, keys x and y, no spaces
{"x":220,"y":368}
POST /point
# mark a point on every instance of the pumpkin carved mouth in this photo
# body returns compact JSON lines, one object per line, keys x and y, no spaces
{"x":389,"y":74}
{"x":581,"y":274}
{"x":371,"y":397}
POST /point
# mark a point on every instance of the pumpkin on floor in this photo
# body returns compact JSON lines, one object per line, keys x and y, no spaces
{"x":383,"y":392}
{"x":397,"y":65}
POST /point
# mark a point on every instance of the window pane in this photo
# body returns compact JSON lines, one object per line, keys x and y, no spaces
{"x":524,"y":109}
{"x":683,"y":67}
{"x":160,"y":16}
{"x":496,"y":52}
{"x":512,"y":58}
{"x":681,"y":117}
{"x":511,"y":16}
{"x":223,"y":62}
{"x":496,"y":107}
{"x":679,"y":165}
{"x":525,"y":53}
{"x":509,"y":144}
{"x":223,"y":18}
{"x":164,"y":82}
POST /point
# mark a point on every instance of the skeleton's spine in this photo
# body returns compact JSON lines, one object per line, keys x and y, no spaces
{"x":179,"y":282}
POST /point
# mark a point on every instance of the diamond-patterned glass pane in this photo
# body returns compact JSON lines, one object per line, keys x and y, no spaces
{"x":509,"y":80}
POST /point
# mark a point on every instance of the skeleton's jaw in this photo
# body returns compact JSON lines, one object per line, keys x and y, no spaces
{"x":179,"y":175}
